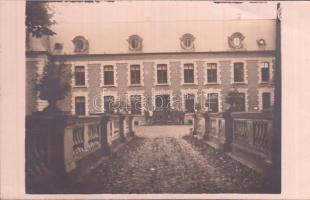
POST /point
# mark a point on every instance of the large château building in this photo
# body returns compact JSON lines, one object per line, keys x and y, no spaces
{"x":148,"y":64}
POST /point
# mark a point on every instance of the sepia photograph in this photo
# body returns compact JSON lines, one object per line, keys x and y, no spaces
{"x":152,"y":97}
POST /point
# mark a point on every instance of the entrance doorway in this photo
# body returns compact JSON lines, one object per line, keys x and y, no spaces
{"x":162,"y":102}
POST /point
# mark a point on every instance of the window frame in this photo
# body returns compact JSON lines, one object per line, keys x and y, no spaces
{"x":129,"y":64}
{"x":271,"y":70}
{"x":136,"y":93}
{"x":106,"y":92}
{"x":141,"y":104}
{"x":73,"y":81}
{"x":75,"y":105}
{"x":207,"y":99}
{"x":106,"y":71}
{"x":185,"y":92}
{"x":75,"y":75}
{"x":262,"y":90}
{"x":187,"y":68}
{"x":267,"y":69}
{"x":104,"y":101}
{"x":185,"y":102}
{"x":205,"y":71}
{"x":239,"y":66}
{"x":156,"y":74}
{"x":195,"y":73}
{"x":80,"y":94}
{"x":114,"y":74}
{"x":163,"y":73}
{"x":217,"y":91}
{"x":263,"y":100}
{"x":156,"y":92}
{"x":245,"y":71}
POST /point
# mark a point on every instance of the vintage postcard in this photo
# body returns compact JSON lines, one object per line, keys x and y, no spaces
{"x":151,"y":99}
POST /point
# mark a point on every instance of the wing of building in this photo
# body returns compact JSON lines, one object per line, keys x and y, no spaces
{"x":150,"y":64}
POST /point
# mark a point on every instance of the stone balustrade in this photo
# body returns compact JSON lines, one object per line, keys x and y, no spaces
{"x":253,"y":140}
{"x":247,"y":137}
{"x":59,"y":145}
{"x":217,"y":130}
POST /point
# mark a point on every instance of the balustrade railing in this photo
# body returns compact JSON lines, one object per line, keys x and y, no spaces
{"x":241,"y":130}
{"x":57,"y":143}
{"x":247,"y":135}
{"x":255,"y":134}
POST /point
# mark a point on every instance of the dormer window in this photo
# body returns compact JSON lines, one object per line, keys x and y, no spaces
{"x":235,"y":41}
{"x":81,"y":45}
{"x":135,"y":43}
{"x":187,"y":41}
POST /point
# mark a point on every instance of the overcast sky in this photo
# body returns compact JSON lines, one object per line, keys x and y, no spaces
{"x":125,"y":11}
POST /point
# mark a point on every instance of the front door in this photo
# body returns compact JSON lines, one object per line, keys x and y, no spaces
{"x":162,"y":102}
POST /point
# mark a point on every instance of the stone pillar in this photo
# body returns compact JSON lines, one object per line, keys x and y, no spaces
{"x":228,"y":130}
{"x":62,"y":143}
{"x":122,"y":128}
{"x":131,"y":125}
{"x":104,"y":132}
{"x":207,"y":125}
{"x":69,"y":161}
{"x":199,"y":125}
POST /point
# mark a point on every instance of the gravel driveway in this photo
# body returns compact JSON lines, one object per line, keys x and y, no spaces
{"x":162,"y":159}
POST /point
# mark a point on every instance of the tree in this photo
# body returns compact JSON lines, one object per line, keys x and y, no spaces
{"x":38,"y":18}
{"x":54,"y":84}
{"x":235,"y":100}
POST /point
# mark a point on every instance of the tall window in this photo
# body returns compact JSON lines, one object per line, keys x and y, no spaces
{"x":265,"y":72}
{"x":79,"y":74}
{"x":80,"y":105}
{"x":238,"y":72}
{"x":135,"y":74}
{"x":162,"y":74}
{"x":189,"y":103}
{"x":108,"y":104}
{"x":188,"y":73}
{"x":108,"y":76}
{"x":212,"y":72}
{"x":212,"y":102}
{"x":266,"y":100}
{"x":135,"y":101}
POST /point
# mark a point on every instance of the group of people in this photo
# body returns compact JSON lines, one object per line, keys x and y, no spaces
{"x":161,"y":116}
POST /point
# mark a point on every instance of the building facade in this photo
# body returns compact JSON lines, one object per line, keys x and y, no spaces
{"x":169,"y":65}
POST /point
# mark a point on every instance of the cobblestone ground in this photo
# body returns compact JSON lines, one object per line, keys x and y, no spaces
{"x":162,"y":159}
